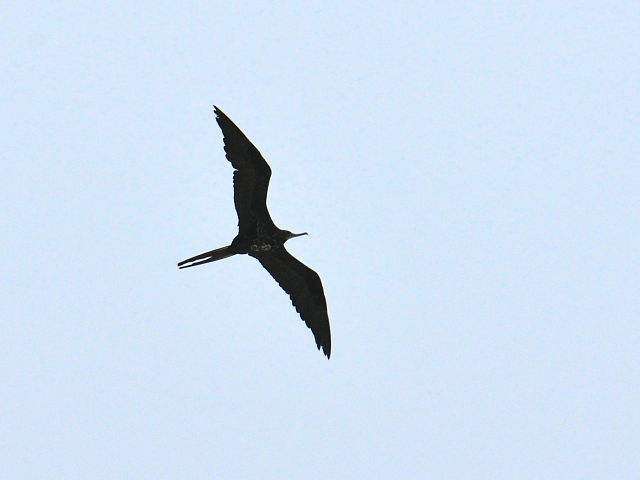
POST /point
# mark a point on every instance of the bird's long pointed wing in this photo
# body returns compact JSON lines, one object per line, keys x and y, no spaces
{"x":305,"y":290}
{"x":251,"y":176}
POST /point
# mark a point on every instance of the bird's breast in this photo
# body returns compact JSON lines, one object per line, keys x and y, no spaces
{"x":260,"y":247}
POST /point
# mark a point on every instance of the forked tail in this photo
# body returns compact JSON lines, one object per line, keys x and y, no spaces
{"x":212,"y":256}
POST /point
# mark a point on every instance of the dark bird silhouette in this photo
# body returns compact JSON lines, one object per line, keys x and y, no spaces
{"x":259,"y":237}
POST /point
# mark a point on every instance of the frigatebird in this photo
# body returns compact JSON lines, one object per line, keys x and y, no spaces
{"x":259,"y":237}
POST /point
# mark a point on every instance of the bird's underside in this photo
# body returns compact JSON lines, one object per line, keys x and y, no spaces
{"x":259,"y":237}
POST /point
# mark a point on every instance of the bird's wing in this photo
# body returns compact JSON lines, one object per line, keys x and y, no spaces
{"x":305,"y":290}
{"x":251,"y":175}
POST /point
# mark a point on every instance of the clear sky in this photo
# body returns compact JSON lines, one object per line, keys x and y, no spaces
{"x":469,"y":176}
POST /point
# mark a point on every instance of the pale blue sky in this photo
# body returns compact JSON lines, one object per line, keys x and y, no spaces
{"x":469,"y":176}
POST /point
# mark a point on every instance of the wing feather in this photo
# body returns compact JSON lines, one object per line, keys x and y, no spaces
{"x":305,"y":290}
{"x":251,"y":175}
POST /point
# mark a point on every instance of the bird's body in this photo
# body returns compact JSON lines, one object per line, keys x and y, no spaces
{"x":259,"y":237}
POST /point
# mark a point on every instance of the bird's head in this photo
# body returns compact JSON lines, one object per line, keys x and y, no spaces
{"x":288,"y":235}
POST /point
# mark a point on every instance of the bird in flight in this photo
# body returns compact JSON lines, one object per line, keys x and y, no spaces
{"x":259,"y":237}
